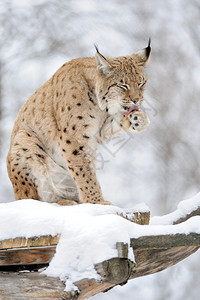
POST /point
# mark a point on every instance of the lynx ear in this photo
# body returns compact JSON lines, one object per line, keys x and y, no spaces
{"x":102,"y":63}
{"x":144,"y":54}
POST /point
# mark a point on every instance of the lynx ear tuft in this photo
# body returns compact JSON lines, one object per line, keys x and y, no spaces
{"x":144,"y":54}
{"x":102,"y":63}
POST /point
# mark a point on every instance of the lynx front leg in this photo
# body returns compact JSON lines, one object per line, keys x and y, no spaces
{"x":81,"y":169}
{"x":118,"y":124}
{"x":135,"y":122}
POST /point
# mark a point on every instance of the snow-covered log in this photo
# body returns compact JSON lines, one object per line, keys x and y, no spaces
{"x":166,"y":241}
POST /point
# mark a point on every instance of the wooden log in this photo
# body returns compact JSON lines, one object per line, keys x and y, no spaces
{"x":115,"y":270}
{"x":122,"y":249}
{"x":142,"y":218}
{"x":166,"y":241}
{"x":48,"y":240}
{"x":23,"y":251}
{"x":186,"y":217}
{"x":27,"y":256}
{"x":30,"y":286}
{"x":44,"y":254}
{"x":36,"y":241}
{"x":148,"y":261}
{"x":24,"y":286}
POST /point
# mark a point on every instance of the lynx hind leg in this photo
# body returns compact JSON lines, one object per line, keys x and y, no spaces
{"x":26,"y":158}
{"x":23,"y":185}
{"x":35,"y":175}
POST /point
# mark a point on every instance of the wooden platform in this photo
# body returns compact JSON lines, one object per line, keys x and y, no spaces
{"x":40,"y":250}
{"x":20,"y":256}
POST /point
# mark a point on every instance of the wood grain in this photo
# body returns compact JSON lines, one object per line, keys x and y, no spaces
{"x":36,"y":241}
{"x":166,"y":241}
{"x":36,"y":286}
{"x":27,"y":256}
{"x":142,"y":218}
{"x":30,"y":286}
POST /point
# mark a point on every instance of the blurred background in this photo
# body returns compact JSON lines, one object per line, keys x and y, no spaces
{"x":160,"y":166}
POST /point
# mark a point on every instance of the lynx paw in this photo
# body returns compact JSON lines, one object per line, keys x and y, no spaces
{"x":138,"y":120}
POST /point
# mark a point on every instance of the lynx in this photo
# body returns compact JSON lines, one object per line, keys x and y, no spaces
{"x":87,"y":102}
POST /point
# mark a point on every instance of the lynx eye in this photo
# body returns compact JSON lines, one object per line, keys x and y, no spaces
{"x":140,"y":84}
{"x":123,"y":86}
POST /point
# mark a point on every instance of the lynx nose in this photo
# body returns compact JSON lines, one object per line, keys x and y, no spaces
{"x":135,"y":100}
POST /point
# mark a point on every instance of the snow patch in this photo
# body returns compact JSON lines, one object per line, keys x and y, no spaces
{"x":184,"y":208}
{"x":84,"y":243}
{"x":88,"y":232}
{"x":141,"y":207}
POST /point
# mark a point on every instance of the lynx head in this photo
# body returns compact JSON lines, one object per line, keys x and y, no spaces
{"x":121,"y":80}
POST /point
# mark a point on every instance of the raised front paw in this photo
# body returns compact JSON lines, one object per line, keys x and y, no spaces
{"x":138,"y":120}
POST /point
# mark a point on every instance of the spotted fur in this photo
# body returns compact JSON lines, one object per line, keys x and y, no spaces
{"x":57,"y":131}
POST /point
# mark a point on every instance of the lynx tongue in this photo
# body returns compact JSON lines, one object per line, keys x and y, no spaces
{"x":131,"y":108}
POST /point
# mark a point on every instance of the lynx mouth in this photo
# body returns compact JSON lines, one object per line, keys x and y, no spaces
{"x":130,"y":109}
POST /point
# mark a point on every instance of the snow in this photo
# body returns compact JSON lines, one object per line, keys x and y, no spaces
{"x":140,"y":171}
{"x":88,"y":235}
{"x":88,"y":232}
{"x":141,"y":207}
{"x":27,"y":218}
{"x":85,"y":242}
{"x":184,"y":208}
